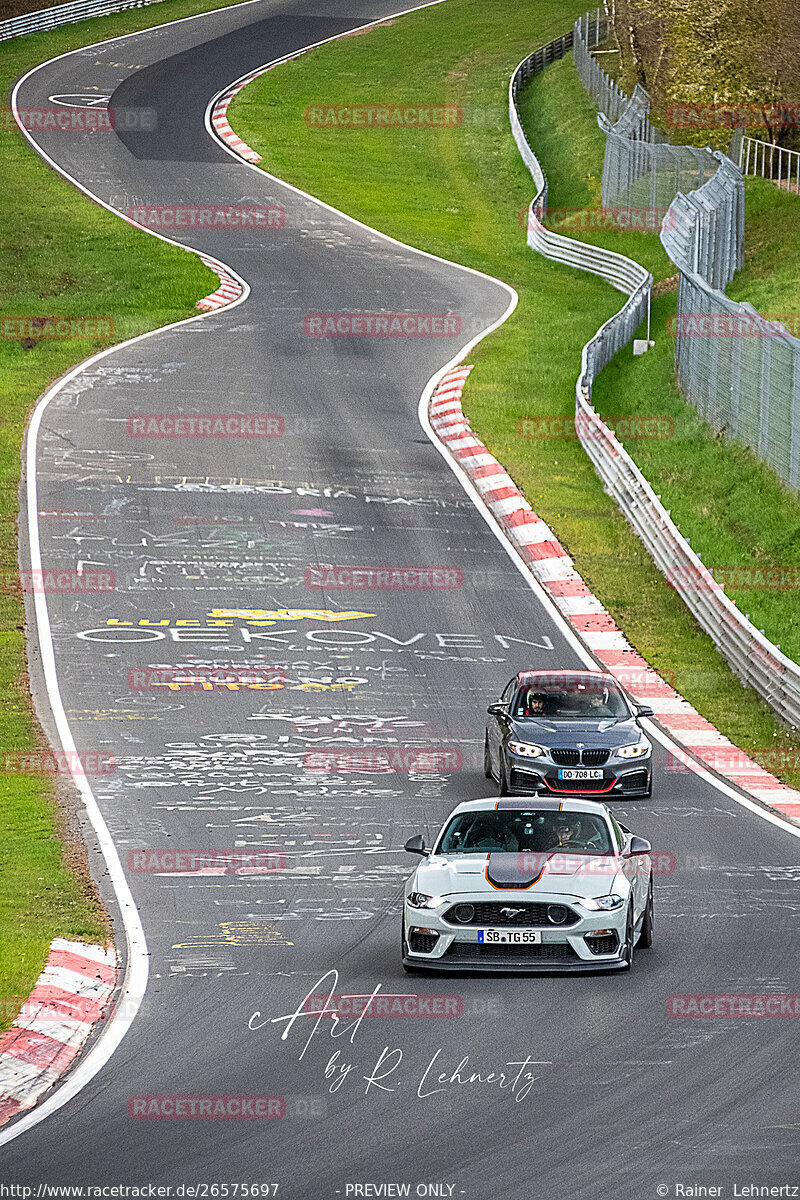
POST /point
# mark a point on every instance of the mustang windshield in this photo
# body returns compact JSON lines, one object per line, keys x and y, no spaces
{"x":569,"y":697}
{"x":533,"y":832}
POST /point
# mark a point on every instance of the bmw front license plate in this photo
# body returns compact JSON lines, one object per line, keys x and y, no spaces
{"x":514,"y":937}
{"x":579,"y":773}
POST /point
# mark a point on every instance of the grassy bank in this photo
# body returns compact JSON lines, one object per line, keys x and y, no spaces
{"x":59,"y":256}
{"x":460,"y":194}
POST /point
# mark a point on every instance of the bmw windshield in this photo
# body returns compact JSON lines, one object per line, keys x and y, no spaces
{"x":564,"y":698}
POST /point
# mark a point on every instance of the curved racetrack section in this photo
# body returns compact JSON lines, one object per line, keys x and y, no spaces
{"x":210,"y":541}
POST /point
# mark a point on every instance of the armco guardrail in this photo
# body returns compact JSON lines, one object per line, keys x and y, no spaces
{"x":65,"y":14}
{"x":622,"y":273}
{"x":755,"y":660}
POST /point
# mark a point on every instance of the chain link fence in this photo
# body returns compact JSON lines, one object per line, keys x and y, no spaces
{"x":641,"y":169}
{"x":703,"y":232}
{"x":751,"y":655}
{"x":738,"y":369}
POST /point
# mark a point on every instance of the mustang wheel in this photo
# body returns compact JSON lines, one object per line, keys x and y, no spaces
{"x":646,"y":936}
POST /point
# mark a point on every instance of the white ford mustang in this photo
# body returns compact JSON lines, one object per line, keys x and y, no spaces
{"x":528,"y":884}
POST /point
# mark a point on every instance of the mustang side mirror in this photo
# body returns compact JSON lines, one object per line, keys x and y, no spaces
{"x":416,"y":845}
{"x":497,"y":710}
{"x":638,"y":846}
{"x":644,"y":710}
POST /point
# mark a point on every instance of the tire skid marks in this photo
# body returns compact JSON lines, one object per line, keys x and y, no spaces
{"x":555,"y":571}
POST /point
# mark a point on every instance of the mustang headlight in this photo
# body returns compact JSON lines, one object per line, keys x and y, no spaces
{"x":636,"y":750}
{"x":526,"y":749}
{"x":420,"y":900}
{"x":602,"y":903}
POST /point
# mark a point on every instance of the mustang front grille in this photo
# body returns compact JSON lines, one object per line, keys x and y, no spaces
{"x":548,"y":951}
{"x":488,"y":913}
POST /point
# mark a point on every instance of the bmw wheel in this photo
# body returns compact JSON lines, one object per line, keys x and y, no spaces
{"x":627,"y":950}
{"x":502,"y":777}
{"x":646,"y":936}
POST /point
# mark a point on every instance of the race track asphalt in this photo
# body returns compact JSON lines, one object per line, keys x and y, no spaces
{"x":626,"y":1098}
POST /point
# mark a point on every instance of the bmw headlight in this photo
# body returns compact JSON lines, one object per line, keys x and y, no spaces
{"x":420,"y":900}
{"x":526,"y":749}
{"x":602,"y":903}
{"x":636,"y":750}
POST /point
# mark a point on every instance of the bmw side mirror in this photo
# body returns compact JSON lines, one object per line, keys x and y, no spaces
{"x":497,"y":710}
{"x":644,"y":710}
{"x":416,"y":845}
{"x":638,"y":846}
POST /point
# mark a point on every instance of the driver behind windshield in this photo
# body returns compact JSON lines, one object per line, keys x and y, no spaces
{"x":568,"y":832}
{"x":580,"y":702}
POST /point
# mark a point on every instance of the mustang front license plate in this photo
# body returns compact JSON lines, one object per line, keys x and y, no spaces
{"x":579,"y":773}
{"x":516,"y":937}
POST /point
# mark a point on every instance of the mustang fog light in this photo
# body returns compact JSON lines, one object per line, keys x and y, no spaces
{"x":600,"y":933}
{"x":557,"y":914}
{"x":464,"y":913}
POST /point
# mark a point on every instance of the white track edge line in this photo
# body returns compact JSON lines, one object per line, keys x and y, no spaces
{"x":137,"y":967}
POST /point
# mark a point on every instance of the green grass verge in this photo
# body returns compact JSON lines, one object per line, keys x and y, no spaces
{"x":59,"y":255}
{"x":459,"y":193}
